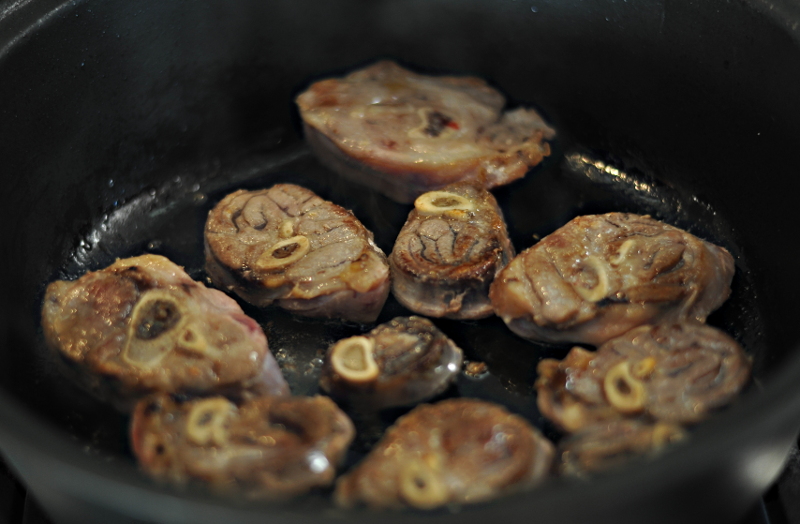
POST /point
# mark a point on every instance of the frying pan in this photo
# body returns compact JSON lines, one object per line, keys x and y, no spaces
{"x":124,"y":122}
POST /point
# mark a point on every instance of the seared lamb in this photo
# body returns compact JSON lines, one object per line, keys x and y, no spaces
{"x":601,"y":275}
{"x":403,"y":134}
{"x":448,"y":253}
{"x":285,"y":245}
{"x":401,"y":362}
{"x":453,"y":452}
{"x":603,"y":446}
{"x":143,"y":325}
{"x":267,"y":447}
{"x":670,"y":373}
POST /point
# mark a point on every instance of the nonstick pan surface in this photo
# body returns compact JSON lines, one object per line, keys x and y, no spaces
{"x":126,"y":123}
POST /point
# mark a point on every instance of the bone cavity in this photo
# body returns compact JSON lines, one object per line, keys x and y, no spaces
{"x":208,"y":420}
{"x":353,"y":359}
{"x":601,"y":288}
{"x":283,"y":253}
{"x":623,"y":391}
{"x":422,"y":486}
{"x":442,"y":202}
{"x":155,"y":315}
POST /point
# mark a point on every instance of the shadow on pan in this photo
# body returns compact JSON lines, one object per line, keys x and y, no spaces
{"x":125,"y":123}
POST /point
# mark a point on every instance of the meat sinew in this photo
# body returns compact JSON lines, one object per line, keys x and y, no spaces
{"x":601,"y":275}
{"x":453,"y":452}
{"x":403,"y":134}
{"x":603,"y":446}
{"x":447,"y":254}
{"x":267,"y":447}
{"x":143,"y":325}
{"x":675,"y":374}
{"x":401,"y":362}
{"x":285,"y":245}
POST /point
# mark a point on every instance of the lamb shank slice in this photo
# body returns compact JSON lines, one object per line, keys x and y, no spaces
{"x":453,"y":452}
{"x":285,"y":245}
{"x":670,"y":373}
{"x":601,"y":275}
{"x":403,"y":134}
{"x":449,"y":250}
{"x":401,"y":362}
{"x":143,"y":325}
{"x":267,"y":447}
{"x":607,"y":445}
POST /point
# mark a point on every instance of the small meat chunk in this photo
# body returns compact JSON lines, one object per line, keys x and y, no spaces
{"x":285,"y":245}
{"x":604,"y":446}
{"x":671,"y":373}
{"x":447,"y":254}
{"x":454,"y":452}
{"x":403,"y":134}
{"x":601,"y":275}
{"x":142,"y":325}
{"x":401,"y":362}
{"x":267,"y":447}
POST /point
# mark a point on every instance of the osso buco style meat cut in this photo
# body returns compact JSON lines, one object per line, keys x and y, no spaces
{"x":448,"y":252}
{"x":670,"y":373}
{"x":403,"y":134}
{"x":401,"y":362}
{"x":610,"y":444}
{"x":268,"y":447}
{"x":601,"y":275}
{"x":453,"y":452}
{"x":285,"y":245}
{"x":143,"y":325}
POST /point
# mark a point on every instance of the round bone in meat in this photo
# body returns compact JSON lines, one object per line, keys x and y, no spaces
{"x":601,"y":275}
{"x":143,"y":325}
{"x":403,"y":134}
{"x":448,"y":253}
{"x":285,"y":245}
{"x":453,"y":452}
{"x":267,"y":447}
{"x":671,"y":373}
{"x":401,"y":362}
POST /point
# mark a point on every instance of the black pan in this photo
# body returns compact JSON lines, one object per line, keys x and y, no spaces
{"x":122,"y":123}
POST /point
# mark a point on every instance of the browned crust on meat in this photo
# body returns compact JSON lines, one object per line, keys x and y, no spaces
{"x":453,"y":285}
{"x":539,"y":294}
{"x":387,"y":162}
{"x":471,"y":450}
{"x":353,"y":287}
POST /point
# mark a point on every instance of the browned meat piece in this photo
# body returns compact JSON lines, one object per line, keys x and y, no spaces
{"x":608,"y":445}
{"x":675,"y":373}
{"x":448,"y":253}
{"x":142,"y":325}
{"x":453,"y":452}
{"x":285,"y":245}
{"x":403,"y":134}
{"x":267,"y":447}
{"x":601,"y":275}
{"x":398,"y":363}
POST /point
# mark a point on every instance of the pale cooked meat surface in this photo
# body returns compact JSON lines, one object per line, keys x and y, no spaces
{"x":453,"y":452}
{"x":671,"y":373}
{"x":268,"y":447}
{"x":448,"y":253}
{"x":401,"y":362}
{"x":601,"y":275}
{"x":286,"y":245}
{"x":143,"y":325}
{"x":607,"y":445}
{"x":403,"y":133}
